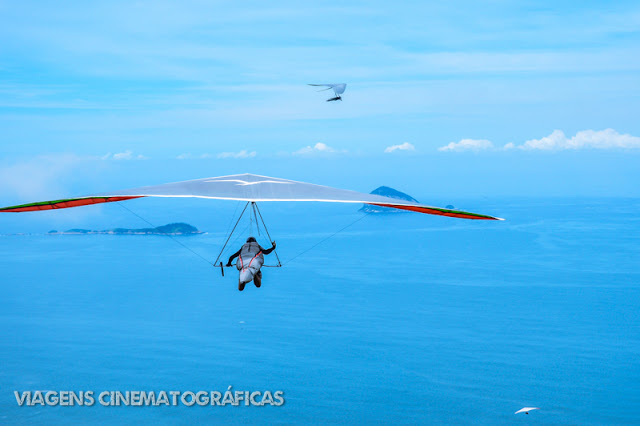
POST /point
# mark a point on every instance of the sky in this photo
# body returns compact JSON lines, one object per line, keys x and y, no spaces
{"x":458,"y":99}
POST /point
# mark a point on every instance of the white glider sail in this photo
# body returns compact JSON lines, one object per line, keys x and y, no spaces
{"x":338,"y":89}
{"x":246,"y":187}
{"x":526,"y":410}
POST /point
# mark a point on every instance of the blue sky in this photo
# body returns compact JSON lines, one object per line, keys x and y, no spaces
{"x":492,"y":98}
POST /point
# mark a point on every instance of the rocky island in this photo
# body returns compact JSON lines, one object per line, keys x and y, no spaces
{"x":385,"y":191}
{"x":170,"y":229}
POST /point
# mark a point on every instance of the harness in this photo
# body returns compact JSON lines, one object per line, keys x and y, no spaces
{"x":247,"y":249}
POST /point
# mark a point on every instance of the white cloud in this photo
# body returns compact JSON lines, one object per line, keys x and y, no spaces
{"x":189,"y":156}
{"x":556,"y":141}
{"x":39,"y":177}
{"x":402,"y":147}
{"x":126,"y":155}
{"x":595,"y":139}
{"x":240,"y":154}
{"x":319,"y":148}
{"x":468,"y":145}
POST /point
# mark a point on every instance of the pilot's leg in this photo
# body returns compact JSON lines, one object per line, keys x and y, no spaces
{"x":241,"y":285}
{"x":257,"y":279}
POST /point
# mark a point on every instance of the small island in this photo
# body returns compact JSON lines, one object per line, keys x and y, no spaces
{"x":170,"y":229}
{"x":385,"y":191}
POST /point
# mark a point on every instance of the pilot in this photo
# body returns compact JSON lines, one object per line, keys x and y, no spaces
{"x":250,"y":260}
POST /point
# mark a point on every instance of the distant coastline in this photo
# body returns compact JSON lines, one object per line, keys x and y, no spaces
{"x":169,"y":229}
{"x":386,"y":191}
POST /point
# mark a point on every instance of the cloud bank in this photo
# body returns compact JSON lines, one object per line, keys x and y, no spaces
{"x":38,"y":177}
{"x":402,"y":147}
{"x":190,"y":156}
{"x":126,"y":155}
{"x":319,"y":148}
{"x":602,"y":139}
{"x":240,"y":154}
{"x":556,"y":141}
{"x":468,"y":145}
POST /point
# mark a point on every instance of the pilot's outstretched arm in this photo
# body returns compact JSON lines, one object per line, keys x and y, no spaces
{"x":267,"y":251}
{"x":233,"y":256}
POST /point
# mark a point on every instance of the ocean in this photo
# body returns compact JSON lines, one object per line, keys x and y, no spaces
{"x":399,"y":318}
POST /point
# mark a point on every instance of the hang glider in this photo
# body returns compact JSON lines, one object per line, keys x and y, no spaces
{"x":338,"y":89}
{"x":526,"y":410}
{"x":250,"y":188}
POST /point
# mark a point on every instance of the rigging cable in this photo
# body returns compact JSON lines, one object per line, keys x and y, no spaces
{"x":164,"y":233}
{"x":229,"y":237}
{"x":255,"y":209}
{"x":325,"y":239}
{"x":255,"y":206}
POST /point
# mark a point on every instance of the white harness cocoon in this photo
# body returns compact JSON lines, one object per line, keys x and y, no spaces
{"x":250,"y":261}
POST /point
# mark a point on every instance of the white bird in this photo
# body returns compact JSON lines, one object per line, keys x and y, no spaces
{"x":526,"y":410}
{"x":338,"y":89}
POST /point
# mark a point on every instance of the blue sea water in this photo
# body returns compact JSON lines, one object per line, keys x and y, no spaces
{"x":402,"y":318}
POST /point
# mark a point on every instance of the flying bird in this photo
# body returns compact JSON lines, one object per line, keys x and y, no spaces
{"x":526,"y":410}
{"x":338,"y":89}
